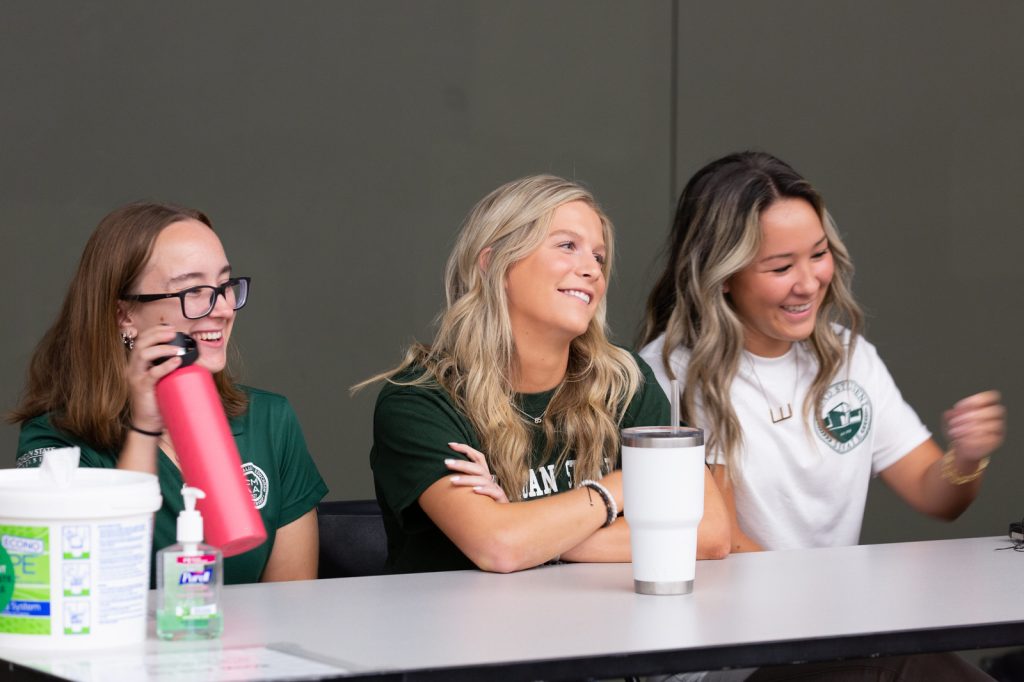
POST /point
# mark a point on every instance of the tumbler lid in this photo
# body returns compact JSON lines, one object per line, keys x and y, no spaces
{"x":662,"y":437}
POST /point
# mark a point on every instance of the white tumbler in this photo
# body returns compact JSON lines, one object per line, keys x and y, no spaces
{"x":663,"y":495}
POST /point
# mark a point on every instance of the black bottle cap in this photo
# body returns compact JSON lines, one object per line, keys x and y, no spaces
{"x":188,"y":355}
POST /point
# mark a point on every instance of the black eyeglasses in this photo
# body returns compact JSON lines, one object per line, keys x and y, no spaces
{"x":198,"y":302}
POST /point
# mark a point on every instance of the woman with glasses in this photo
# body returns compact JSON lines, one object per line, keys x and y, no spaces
{"x":148,"y":271}
{"x":497,"y":446}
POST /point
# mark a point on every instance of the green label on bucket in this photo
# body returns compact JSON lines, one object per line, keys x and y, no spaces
{"x":27,"y":607}
{"x":6,"y":578}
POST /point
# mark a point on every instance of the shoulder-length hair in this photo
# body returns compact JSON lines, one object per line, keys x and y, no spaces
{"x":77,"y":373}
{"x":717,"y":233}
{"x":473,"y":355}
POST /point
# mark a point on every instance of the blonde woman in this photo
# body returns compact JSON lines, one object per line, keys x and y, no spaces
{"x":497,"y":445}
{"x":754,"y":314}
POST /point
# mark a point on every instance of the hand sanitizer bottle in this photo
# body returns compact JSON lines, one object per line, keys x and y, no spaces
{"x":188,"y":580}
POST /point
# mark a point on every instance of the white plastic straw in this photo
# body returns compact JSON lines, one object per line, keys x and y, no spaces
{"x":674,"y":416}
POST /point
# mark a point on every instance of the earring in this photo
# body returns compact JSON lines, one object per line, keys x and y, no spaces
{"x":128,"y":340}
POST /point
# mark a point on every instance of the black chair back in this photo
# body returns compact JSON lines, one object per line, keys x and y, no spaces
{"x":352,"y":539}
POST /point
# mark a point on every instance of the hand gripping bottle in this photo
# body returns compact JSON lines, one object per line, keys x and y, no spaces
{"x":195,"y":420}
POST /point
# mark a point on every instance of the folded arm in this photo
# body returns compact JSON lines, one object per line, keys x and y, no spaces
{"x":605,"y":544}
{"x":510,"y":537}
{"x":612,"y":543}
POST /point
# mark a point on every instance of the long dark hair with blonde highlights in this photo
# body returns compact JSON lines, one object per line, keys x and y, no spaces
{"x":717,"y":233}
{"x":77,"y":373}
{"x":473,"y":356}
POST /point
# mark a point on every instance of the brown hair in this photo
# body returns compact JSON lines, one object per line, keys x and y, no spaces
{"x":716,"y":233}
{"x":77,"y":372}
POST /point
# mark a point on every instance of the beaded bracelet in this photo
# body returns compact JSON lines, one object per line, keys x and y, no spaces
{"x":609,"y":501}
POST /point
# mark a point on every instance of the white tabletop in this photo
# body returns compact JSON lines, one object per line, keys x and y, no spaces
{"x":580,"y":620}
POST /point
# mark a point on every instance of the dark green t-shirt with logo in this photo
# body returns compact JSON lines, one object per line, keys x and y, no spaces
{"x":412,"y":426}
{"x":282,"y":477}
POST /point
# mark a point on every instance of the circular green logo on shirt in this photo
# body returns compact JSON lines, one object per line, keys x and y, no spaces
{"x":846,"y":415}
{"x":259,"y":484}
{"x":6,"y":578}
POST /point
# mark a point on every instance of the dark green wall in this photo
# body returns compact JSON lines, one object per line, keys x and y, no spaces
{"x":338,"y":145}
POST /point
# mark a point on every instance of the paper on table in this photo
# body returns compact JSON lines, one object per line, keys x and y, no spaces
{"x":212,"y":665}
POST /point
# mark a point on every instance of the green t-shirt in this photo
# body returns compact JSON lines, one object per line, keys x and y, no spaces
{"x":412,"y":426}
{"x":282,"y":477}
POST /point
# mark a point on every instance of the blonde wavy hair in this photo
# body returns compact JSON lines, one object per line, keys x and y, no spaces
{"x":717,"y":233}
{"x":473,"y":355}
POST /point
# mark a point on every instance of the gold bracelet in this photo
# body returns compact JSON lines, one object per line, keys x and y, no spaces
{"x":950,"y":473}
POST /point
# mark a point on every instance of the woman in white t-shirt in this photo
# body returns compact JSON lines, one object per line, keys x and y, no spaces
{"x":755,"y":317}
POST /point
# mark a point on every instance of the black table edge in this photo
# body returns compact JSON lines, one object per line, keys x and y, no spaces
{"x":776,"y":652}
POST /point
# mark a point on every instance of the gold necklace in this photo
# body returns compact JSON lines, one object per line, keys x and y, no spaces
{"x":784,"y":412}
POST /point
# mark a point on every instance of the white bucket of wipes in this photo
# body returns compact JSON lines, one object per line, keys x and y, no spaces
{"x":74,"y":554}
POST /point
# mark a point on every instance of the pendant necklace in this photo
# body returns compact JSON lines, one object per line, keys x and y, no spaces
{"x":536,"y":420}
{"x":782,"y":412}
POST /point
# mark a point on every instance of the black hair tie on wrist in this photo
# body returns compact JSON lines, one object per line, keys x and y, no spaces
{"x":144,"y":432}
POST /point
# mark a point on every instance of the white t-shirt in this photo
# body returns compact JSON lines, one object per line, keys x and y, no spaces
{"x":801,"y":486}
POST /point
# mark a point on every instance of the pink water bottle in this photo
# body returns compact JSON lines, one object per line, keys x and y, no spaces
{"x":195,"y":420}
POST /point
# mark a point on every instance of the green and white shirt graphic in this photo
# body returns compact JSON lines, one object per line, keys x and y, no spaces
{"x":845,"y":413}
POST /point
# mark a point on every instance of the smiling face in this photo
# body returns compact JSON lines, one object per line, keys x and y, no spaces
{"x":185,"y":254}
{"x":553,"y":293}
{"x":779,"y":294}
